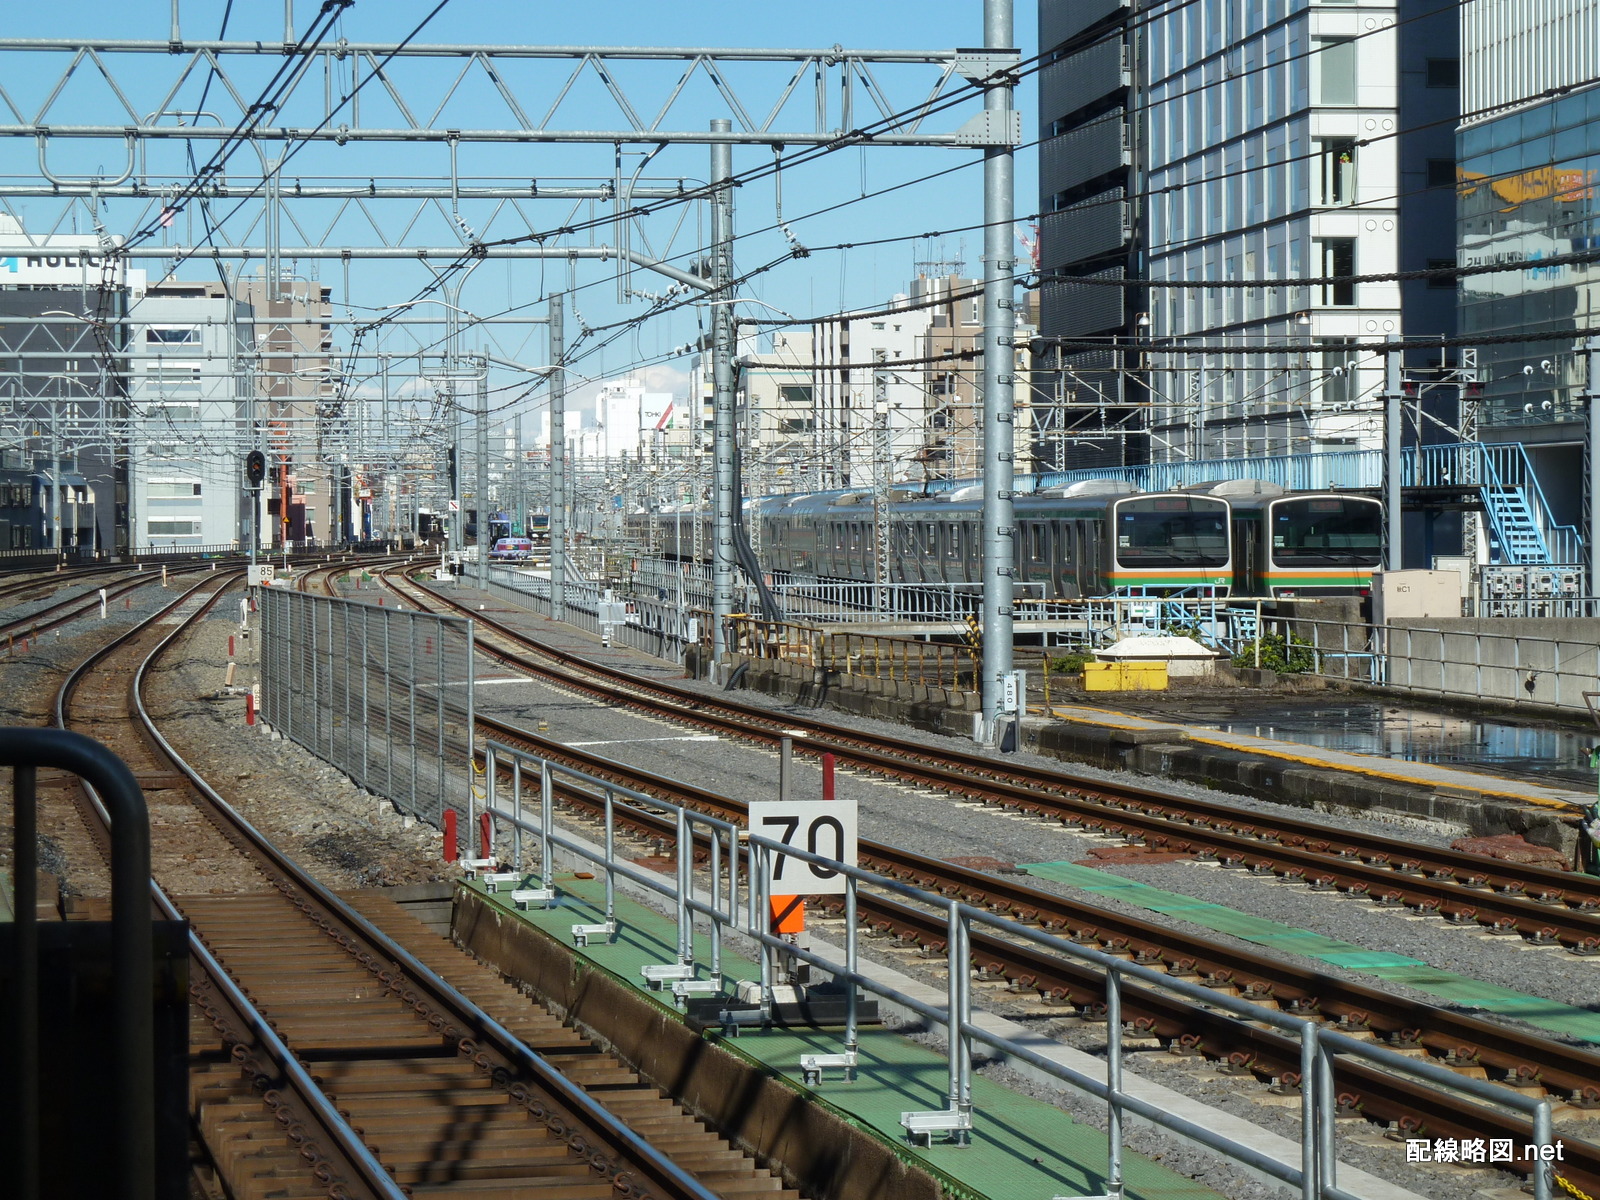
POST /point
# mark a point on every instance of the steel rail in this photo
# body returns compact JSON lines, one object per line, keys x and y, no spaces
{"x":1541,"y":904}
{"x":1522,"y":1057}
{"x":1459,"y":1042}
{"x":582,"y":1111}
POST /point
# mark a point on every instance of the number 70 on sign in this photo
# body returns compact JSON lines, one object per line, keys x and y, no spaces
{"x":825,"y":827}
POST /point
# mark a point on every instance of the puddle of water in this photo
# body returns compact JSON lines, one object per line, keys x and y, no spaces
{"x":1453,"y":741}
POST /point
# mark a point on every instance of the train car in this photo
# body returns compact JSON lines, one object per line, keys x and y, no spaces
{"x":1306,"y":544}
{"x":1093,"y":538}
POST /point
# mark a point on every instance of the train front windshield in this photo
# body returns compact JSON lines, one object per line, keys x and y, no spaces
{"x":1168,"y":530}
{"x":1327,"y":531}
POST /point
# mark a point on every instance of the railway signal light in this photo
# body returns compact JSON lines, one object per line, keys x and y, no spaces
{"x":255,"y":466}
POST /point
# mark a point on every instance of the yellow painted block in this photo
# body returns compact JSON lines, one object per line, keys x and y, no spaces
{"x":1125,"y":677}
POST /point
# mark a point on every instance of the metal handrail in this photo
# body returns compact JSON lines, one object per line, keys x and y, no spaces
{"x":132,"y":946}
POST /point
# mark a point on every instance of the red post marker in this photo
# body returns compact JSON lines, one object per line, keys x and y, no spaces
{"x":380,"y":601}
{"x":450,"y":852}
{"x":485,"y":834}
{"x":827,"y":777}
{"x":127,"y":602}
{"x":249,"y":708}
{"x":230,"y":645}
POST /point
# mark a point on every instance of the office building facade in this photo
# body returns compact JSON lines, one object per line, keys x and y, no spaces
{"x":1529,"y":151}
{"x":1251,"y":148}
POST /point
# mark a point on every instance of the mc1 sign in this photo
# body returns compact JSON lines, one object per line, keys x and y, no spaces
{"x":825,"y":827}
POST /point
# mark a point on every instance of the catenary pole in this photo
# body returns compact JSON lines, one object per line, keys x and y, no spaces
{"x":1591,"y":414}
{"x":723,"y":435}
{"x":999,"y":429}
{"x":1393,"y":428}
{"x":485,"y":542}
{"x":558,"y":464}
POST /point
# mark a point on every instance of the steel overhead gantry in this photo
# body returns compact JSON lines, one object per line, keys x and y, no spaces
{"x":854,"y":98}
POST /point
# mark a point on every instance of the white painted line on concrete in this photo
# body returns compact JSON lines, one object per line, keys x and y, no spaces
{"x":631,"y":741}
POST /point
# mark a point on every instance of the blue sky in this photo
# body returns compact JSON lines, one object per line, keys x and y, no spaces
{"x":824,"y":282}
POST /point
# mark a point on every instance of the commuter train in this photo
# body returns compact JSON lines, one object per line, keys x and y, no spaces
{"x":1305,"y":543}
{"x":1091,"y":538}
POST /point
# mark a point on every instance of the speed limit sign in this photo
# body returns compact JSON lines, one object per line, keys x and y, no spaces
{"x":825,"y":827}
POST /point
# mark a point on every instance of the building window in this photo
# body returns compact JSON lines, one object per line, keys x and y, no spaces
{"x":1336,"y":256}
{"x":172,"y":335}
{"x":1338,"y":387}
{"x":1441,"y":172}
{"x":1445,"y":282}
{"x":172,"y":489}
{"x":795,"y":393}
{"x":1444,"y":72}
{"x":172,"y":528}
{"x":1336,"y":71}
{"x":1336,"y":171}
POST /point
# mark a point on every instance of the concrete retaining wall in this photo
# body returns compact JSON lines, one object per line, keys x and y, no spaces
{"x":1549,"y":662}
{"x":816,"y":1149}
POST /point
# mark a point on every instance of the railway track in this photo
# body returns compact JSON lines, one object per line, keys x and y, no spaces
{"x":1542,"y":905}
{"x":331,"y":1060}
{"x":1527,"y":1062}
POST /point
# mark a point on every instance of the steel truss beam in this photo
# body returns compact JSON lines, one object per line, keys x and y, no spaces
{"x":843,"y":85}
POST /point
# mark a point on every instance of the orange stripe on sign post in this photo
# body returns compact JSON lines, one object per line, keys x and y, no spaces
{"x":788,"y":914}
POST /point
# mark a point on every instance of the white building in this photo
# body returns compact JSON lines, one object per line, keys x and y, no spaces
{"x":870,"y":418}
{"x":188,"y":390}
{"x":628,"y":422}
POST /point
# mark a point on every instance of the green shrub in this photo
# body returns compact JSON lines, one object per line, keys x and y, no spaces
{"x":1286,"y":658}
{"x":1069,"y":664}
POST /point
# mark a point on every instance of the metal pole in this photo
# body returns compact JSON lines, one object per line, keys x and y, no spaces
{"x":472,"y":709}
{"x":999,"y":548}
{"x":685,"y":866}
{"x":1394,"y":516}
{"x":25,"y":979}
{"x":558,"y":466}
{"x":851,"y":965}
{"x":1113,"y":1083}
{"x":1308,"y":1111}
{"x":484,"y":540}
{"x":955,"y":966}
{"x":516,"y":812}
{"x":547,"y":792}
{"x":724,"y":445}
{"x":1592,"y":451}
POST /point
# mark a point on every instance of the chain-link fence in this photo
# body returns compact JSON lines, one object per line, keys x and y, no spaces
{"x":384,"y":695}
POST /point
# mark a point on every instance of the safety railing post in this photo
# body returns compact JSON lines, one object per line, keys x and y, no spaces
{"x":957,"y":970}
{"x":547,"y":803}
{"x":716,"y":902}
{"x":516,"y":812}
{"x":1542,"y":1137}
{"x":611,"y":858}
{"x":1113,"y":1082}
{"x":851,"y":966}
{"x":1327,"y":1144}
{"x":491,"y":805}
{"x":685,"y":865}
{"x":1308,"y":1111}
